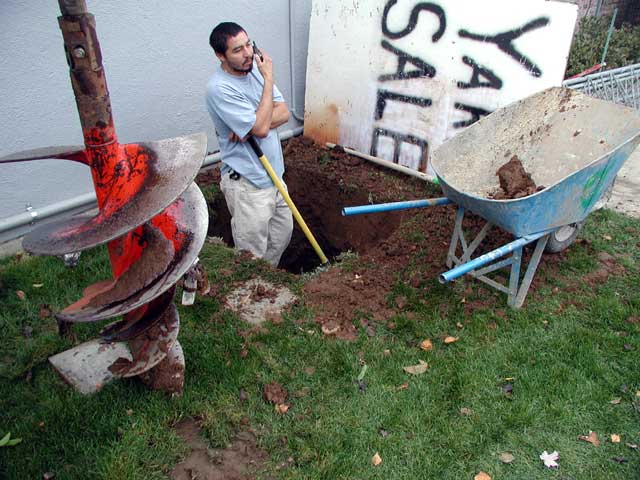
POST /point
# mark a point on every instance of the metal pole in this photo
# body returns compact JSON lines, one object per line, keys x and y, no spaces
{"x":609,"y":34}
{"x":72,"y":7}
{"x":386,"y":163}
{"x":489,"y":257}
{"x":388,"y":207}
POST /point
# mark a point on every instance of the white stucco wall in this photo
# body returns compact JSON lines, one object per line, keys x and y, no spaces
{"x":157,"y":60}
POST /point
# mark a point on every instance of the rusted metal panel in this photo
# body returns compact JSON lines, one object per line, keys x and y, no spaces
{"x":150,"y":348}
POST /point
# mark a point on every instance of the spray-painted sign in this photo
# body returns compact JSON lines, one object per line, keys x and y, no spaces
{"x":397,"y":78}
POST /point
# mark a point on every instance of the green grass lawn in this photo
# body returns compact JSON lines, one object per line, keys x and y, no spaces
{"x":570,"y":351}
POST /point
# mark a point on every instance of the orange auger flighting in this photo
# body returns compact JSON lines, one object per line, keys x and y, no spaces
{"x":151,"y":215}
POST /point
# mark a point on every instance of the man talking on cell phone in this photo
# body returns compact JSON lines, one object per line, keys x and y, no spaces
{"x":243,"y":100}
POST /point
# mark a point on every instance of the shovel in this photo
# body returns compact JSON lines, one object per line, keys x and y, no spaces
{"x":296,"y":214}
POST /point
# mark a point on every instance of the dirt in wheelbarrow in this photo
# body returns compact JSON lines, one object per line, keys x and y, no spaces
{"x":515,"y":181}
{"x":409,"y":246}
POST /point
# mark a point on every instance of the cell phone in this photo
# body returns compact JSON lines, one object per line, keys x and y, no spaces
{"x":257,"y":51}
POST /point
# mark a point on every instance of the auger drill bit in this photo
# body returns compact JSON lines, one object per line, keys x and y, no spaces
{"x":151,"y":215}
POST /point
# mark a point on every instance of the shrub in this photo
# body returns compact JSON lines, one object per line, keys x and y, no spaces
{"x":589,"y":40}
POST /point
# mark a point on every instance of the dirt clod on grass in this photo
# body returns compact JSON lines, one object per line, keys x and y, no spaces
{"x":274,"y":393}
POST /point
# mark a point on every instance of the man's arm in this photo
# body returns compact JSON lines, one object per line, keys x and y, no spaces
{"x":264,"y":113}
{"x":280,"y":114}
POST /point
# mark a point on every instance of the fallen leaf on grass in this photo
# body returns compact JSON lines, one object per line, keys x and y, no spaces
{"x":449,"y":340}
{"x":330,"y":328}
{"x":549,"y":459}
{"x":404,"y":386}
{"x":506,"y":457}
{"x":482,"y":476}
{"x":7,"y":441}
{"x":459,"y":325}
{"x":38,"y":285}
{"x":615,"y":438}
{"x":376,"y":460}
{"x":21,"y":295}
{"x":615,"y":401}
{"x":632,"y":446}
{"x":426,"y":345}
{"x":417,"y":369}
{"x":592,"y":438}
{"x":607,"y":237}
{"x":466,"y":411}
{"x":282,"y":408}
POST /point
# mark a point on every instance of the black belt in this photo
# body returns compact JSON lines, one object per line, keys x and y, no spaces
{"x":234,"y":175}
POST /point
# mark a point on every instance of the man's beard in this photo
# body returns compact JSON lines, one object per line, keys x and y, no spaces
{"x":243,"y":70}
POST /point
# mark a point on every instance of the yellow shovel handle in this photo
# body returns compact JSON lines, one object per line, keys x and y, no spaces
{"x":296,"y":214}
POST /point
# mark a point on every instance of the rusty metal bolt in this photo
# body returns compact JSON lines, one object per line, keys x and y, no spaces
{"x":79,"y":52}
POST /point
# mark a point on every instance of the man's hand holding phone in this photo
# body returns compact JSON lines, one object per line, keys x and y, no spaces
{"x":264,"y":63}
{"x":256,"y":51}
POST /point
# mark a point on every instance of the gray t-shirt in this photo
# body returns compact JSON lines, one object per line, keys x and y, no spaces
{"x":232,"y":102}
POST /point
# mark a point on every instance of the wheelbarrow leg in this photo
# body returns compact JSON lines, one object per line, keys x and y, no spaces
{"x":516,"y":290}
{"x":458,"y":236}
{"x":517,"y":300}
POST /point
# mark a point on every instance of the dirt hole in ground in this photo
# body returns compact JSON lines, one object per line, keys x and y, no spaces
{"x":321,"y":182}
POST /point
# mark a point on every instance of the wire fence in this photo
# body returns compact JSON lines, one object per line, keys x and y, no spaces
{"x":619,"y":85}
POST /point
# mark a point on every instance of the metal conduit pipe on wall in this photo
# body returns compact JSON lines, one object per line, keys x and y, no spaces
{"x":88,"y":200}
{"x":294,"y":108}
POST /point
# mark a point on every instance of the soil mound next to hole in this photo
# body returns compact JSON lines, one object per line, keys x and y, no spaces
{"x":515,"y":182}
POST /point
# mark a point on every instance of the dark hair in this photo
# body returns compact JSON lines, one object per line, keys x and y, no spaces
{"x":220,"y":35}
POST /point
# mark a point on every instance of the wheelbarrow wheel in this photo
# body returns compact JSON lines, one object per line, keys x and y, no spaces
{"x":563,"y":237}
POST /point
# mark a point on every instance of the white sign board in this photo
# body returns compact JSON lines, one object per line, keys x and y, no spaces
{"x":397,"y":78}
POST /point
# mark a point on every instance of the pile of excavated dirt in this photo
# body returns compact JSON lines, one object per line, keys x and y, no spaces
{"x":409,"y":245}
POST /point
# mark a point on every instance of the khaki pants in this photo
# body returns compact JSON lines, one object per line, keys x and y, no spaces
{"x":261,"y":221}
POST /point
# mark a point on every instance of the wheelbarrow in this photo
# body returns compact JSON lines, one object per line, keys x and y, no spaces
{"x":572,"y":146}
